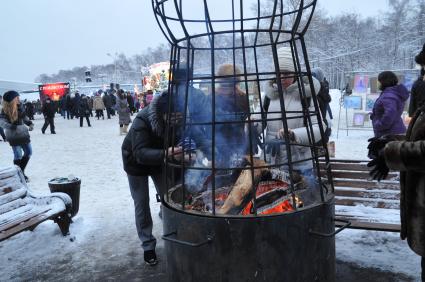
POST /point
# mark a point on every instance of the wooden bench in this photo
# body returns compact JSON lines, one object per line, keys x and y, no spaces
{"x":20,"y":210}
{"x":359,"y":198}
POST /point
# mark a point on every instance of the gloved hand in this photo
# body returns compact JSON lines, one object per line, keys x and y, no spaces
{"x":31,"y":127}
{"x":376,"y":144}
{"x":380,"y":169}
{"x":273,"y":146}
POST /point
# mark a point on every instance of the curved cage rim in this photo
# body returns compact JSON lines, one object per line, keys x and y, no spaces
{"x":330,"y":200}
{"x":158,"y":5}
{"x":272,"y":16}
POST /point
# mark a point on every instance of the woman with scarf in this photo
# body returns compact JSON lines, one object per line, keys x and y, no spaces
{"x":16,"y":127}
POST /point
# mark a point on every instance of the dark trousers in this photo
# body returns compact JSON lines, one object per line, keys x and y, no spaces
{"x":99,"y":113}
{"x":66,"y":114}
{"x":87,"y":119}
{"x":91,"y":113}
{"x":108,"y":112}
{"x":49,"y":121}
{"x":139,"y":188}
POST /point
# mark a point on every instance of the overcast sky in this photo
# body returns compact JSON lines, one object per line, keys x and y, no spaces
{"x":44,"y":36}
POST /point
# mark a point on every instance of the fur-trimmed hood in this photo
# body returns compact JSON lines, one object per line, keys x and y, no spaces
{"x":155,"y":116}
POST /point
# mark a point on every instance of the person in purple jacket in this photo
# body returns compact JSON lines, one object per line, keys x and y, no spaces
{"x":388,"y":108}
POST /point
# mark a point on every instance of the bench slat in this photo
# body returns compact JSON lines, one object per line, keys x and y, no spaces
{"x":362,"y":175}
{"x":375,"y":226}
{"x":375,"y":203}
{"x":5,"y":190}
{"x":391,"y":185}
{"x":33,"y":222}
{"x":346,"y":166}
{"x":20,"y":219}
{"x":372,"y":194}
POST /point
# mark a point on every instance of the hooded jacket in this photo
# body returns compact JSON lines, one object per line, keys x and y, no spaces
{"x":408,"y":157}
{"x":143,"y":147}
{"x":387,"y":111}
{"x":296,"y":125}
{"x":16,"y":133}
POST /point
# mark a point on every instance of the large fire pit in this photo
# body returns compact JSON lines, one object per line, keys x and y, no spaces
{"x":246,"y":199}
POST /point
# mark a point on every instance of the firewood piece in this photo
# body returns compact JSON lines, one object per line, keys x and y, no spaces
{"x":243,"y":187}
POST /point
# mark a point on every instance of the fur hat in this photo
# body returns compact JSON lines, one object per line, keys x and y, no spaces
{"x":228,"y":70}
{"x":10,"y":95}
{"x":286,"y":61}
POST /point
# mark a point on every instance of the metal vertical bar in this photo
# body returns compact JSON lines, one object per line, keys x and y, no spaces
{"x":322,"y":132}
{"x":251,"y":158}
{"x":166,"y":136}
{"x":213,"y":169}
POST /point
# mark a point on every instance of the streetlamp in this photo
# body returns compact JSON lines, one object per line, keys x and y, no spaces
{"x":115,"y":64}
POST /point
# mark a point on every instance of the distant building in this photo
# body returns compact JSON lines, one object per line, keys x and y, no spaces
{"x":28,"y":90}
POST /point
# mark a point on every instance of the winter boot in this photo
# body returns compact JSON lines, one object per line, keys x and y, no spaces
{"x":22,"y":163}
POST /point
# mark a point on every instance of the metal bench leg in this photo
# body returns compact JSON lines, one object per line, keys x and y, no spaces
{"x":64,"y":221}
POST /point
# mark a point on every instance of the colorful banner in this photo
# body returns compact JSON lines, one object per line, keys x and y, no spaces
{"x":55,"y":91}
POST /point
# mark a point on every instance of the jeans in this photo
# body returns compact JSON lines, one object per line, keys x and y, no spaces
{"x":17,"y":151}
{"x":139,"y":188}
{"x":423,"y":269}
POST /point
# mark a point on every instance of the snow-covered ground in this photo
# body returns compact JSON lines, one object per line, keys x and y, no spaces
{"x":103,"y":233}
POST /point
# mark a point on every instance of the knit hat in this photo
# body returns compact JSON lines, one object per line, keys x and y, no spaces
{"x":10,"y":95}
{"x":286,"y":61}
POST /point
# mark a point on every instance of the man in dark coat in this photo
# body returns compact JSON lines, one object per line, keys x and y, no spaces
{"x":113,"y":102}
{"x":68,"y":107}
{"x":107,"y":101}
{"x":84,"y":110}
{"x":143,"y":156}
{"x":29,"y":109}
{"x":49,"y":111}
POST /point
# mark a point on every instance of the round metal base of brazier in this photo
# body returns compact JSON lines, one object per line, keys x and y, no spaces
{"x":283,"y":247}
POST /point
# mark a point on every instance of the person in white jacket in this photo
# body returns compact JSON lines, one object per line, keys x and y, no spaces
{"x":276,"y":149}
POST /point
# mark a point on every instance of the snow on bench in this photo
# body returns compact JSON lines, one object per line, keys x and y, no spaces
{"x":366,"y":203}
{"x":21,"y":210}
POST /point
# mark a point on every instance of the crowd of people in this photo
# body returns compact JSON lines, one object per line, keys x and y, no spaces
{"x":393,"y":146}
{"x":16,"y":116}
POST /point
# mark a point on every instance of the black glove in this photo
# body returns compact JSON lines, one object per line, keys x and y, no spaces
{"x":376,"y":144}
{"x":380,"y":169}
{"x":273,"y":146}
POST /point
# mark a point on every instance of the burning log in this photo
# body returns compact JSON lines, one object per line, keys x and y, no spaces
{"x":243,"y":187}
